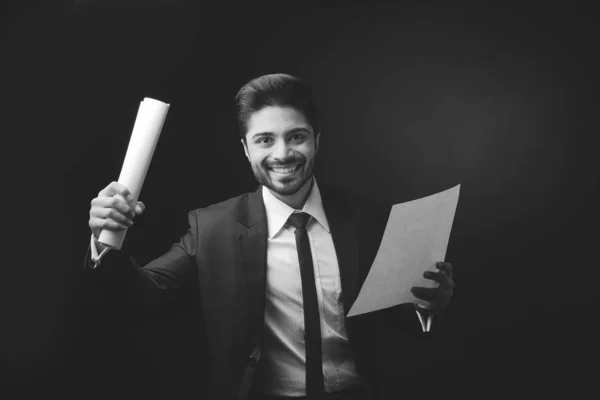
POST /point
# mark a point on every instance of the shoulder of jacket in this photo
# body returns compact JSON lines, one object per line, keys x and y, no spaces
{"x":218,"y":212}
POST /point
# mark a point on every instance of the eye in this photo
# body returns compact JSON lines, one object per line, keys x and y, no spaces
{"x":298,"y":137}
{"x":264,"y":140}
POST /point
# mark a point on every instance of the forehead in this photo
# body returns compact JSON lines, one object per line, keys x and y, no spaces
{"x":276,"y":120}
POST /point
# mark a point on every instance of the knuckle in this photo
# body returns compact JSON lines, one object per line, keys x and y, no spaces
{"x":110,"y":213}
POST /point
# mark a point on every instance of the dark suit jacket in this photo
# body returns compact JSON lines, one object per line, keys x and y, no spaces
{"x":224,"y":251}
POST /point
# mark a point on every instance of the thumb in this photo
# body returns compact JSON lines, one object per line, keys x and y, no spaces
{"x":139,"y":208}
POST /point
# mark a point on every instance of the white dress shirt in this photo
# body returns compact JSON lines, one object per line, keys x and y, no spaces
{"x":283,"y":363}
{"x":94,"y":252}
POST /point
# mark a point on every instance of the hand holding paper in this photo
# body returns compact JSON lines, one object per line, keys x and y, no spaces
{"x":146,"y":131}
{"x":415,"y":238}
{"x":439,"y":296}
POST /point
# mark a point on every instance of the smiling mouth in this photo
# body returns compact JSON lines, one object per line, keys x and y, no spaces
{"x":286,"y":170}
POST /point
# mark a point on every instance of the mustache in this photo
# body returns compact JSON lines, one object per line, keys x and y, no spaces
{"x":285,"y":164}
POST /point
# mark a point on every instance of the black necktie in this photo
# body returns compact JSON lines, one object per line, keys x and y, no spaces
{"x":312,"y":329}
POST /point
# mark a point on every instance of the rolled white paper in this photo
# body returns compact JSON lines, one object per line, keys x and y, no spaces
{"x":146,"y":131}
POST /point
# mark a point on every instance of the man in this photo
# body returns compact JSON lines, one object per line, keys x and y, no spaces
{"x":279,"y":268}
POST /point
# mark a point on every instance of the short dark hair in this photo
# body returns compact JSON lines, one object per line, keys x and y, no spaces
{"x":281,"y":90}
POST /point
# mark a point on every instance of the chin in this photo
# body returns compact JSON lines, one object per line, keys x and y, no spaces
{"x":287,"y":189}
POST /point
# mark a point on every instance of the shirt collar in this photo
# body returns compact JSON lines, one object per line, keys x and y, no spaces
{"x":278,"y":212}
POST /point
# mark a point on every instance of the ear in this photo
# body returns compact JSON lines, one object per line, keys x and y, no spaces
{"x":245,"y":146}
{"x":317,"y":140}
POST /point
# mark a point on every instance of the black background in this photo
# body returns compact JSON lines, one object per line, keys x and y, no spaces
{"x":417,"y":97}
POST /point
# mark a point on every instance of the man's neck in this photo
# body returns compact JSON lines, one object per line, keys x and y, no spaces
{"x":296,"y":200}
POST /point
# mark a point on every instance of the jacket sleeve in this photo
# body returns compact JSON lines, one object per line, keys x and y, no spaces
{"x":157,"y":282}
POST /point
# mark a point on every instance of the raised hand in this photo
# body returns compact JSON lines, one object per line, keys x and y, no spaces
{"x":113,"y":209}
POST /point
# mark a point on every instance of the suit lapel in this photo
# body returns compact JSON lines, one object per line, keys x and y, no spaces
{"x":252,"y":242}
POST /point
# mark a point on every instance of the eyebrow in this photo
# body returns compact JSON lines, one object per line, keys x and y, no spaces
{"x":291,"y":131}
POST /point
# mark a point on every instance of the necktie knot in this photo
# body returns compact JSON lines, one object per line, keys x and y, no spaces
{"x":298,"y":220}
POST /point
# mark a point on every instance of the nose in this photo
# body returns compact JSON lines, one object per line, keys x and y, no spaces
{"x":281,"y":151}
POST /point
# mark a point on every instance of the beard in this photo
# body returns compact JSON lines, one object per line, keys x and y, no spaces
{"x":281,"y":184}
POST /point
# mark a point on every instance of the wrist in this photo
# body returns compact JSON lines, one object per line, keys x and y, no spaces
{"x":99,"y":246}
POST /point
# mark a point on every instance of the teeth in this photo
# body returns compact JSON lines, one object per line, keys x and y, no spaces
{"x":286,"y":170}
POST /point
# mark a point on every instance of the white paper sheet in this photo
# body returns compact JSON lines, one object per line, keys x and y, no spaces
{"x":146,"y":131}
{"x":415,"y":238}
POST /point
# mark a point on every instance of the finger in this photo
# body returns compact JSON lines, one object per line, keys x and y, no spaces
{"x":436,"y":276}
{"x":107,"y":224}
{"x":444,"y":267}
{"x":445,"y":282}
{"x":139,"y":208}
{"x":100,"y":205}
{"x":114,"y":188}
{"x":437,"y":300}
{"x":111,"y":213}
{"x":450,"y":284}
{"x":115,"y":202}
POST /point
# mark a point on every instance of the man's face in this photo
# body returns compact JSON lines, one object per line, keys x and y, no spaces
{"x":281,"y":147}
